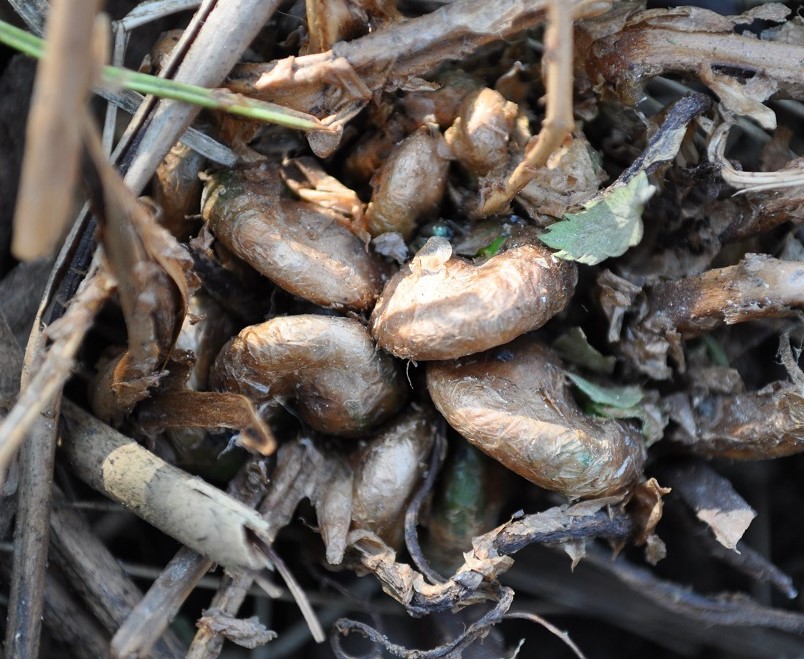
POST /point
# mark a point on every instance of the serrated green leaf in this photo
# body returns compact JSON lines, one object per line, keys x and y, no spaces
{"x":619,"y":397}
{"x":608,"y":225}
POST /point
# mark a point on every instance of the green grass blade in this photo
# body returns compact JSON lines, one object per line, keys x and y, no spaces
{"x":214,"y":99}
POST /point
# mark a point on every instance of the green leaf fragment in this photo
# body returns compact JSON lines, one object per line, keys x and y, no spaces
{"x":619,"y":397}
{"x":650,"y":416}
{"x":573,"y":347}
{"x":608,"y":225}
{"x":114,"y":77}
{"x":492,"y":248}
{"x":623,"y":403}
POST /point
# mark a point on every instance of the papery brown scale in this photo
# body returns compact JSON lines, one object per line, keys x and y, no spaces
{"x":341,"y":383}
{"x":514,"y":404}
{"x":302,"y":249}
{"x":410,"y":184}
{"x":388,"y":469}
{"x":441,"y":307}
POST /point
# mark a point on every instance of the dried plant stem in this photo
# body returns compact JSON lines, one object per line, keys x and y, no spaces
{"x":704,"y":610}
{"x":437,"y":456}
{"x":276,"y":510}
{"x":26,"y":599}
{"x":70,"y":624}
{"x":630,"y":56}
{"x":341,"y":81}
{"x":747,"y":182}
{"x":208,"y":409}
{"x":66,"y":620}
{"x":558,"y":121}
{"x":51,"y":165}
{"x":33,"y":12}
{"x":758,"y":287}
{"x":114,"y":77}
{"x":56,"y":366}
{"x":229,"y":598}
{"x":53,"y":139}
{"x":555,"y":631}
{"x":475,"y":580}
{"x":453,"y":648}
{"x":645,"y":605}
{"x":35,"y":415}
{"x":451,"y":32}
{"x":755,"y":425}
{"x":147,"y":620}
{"x":95,"y":574}
{"x":186,"y":508}
{"x":227,"y":32}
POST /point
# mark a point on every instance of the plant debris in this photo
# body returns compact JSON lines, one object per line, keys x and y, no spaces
{"x":307,"y":336}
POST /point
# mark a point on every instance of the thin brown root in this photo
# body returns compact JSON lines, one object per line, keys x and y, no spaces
{"x":437,"y":456}
{"x":473,"y":633}
{"x":550,"y":627}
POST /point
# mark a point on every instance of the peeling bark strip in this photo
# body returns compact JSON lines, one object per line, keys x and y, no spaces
{"x":184,"y":507}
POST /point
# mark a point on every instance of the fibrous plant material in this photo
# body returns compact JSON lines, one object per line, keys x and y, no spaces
{"x":558,"y":121}
{"x":154,"y":282}
{"x":353,"y":70}
{"x":476,"y":580}
{"x":409,"y":185}
{"x":756,"y":425}
{"x":513,"y":403}
{"x":758,"y":287}
{"x":487,"y":114}
{"x":296,"y":245}
{"x":96,"y":576}
{"x":387,"y":470}
{"x":247,"y":633}
{"x":54,"y":369}
{"x":148,"y":619}
{"x":625,"y":48}
{"x":440,"y":306}
{"x":330,"y":366}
